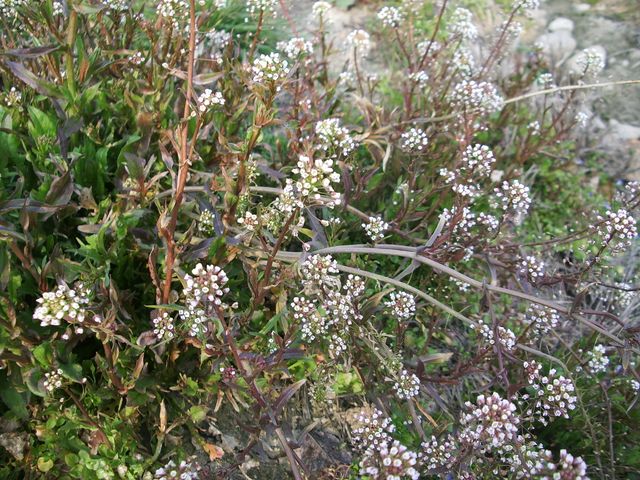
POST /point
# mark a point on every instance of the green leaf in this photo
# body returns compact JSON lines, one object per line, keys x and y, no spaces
{"x":198,"y":413}
{"x":72,"y":371}
{"x":13,"y":399}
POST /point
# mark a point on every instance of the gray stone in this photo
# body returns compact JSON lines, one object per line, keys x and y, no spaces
{"x":558,"y":45}
{"x":582,"y":7}
{"x":561,"y":23}
{"x":623,"y":131}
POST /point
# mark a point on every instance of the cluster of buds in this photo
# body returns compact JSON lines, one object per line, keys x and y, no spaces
{"x":407,"y":385}
{"x":255,"y":7}
{"x":9,"y":8}
{"x":206,"y":223}
{"x":375,"y":228}
{"x":439,"y":454}
{"x":532,"y":268}
{"x":478,"y":159}
{"x":391,"y":17}
{"x":185,"y":470}
{"x":163,"y":326}
{"x":553,"y":394}
{"x":319,"y":269}
{"x":249,"y":221}
{"x":598,"y":360}
{"x":461,"y":24}
{"x":64,"y":303}
{"x":208,"y":99}
{"x":195,"y":321}
{"x":313,"y":324}
{"x":205,"y":287}
{"x":490,"y":422}
{"x":173,"y":10}
{"x":390,"y":461}
{"x":476,"y":97}
{"x":334,"y":138}
{"x":401,"y":305}
{"x":296,"y":47}
{"x":342,"y":306}
{"x":617,"y":230}
{"x":319,"y":9}
{"x":360,"y":41}
{"x":414,"y":140}
{"x":590,"y":62}
{"x":543,"y":319}
{"x":13,"y":97}
{"x":420,"y":77}
{"x":506,"y":338}
{"x":53,"y":380}
{"x":315,"y":176}
{"x":270,"y":69}
{"x":512,"y":197}
{"x":371,"y":428}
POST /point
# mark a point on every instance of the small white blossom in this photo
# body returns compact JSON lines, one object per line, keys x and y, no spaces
{"x":296,"y":47}
{"x":391,"y":17}
{"x":402,"y":305}
{"x":414,"y":140}
{"x":163,"y":326}
{"x":53,"y":381}
{"x":461,"y":23}
{"x":598,"y":361}
{"x":205,"y":287}
{"x":208,"y":99}
{"x":269,"y":69}
{"x":407,"y":385}
{"x":359,"y":40}
{"x":375,"y":228}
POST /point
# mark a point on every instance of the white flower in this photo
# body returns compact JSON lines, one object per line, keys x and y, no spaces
{"x":590,"y":63}
{"x":402,"y":305}
{"x":421,"y":78}
{"x":318,"y":269}
{"x":461,"y":24}
{"x":61,"y":304}
{"x":414,"y":140}
{"x":389,"y":461}
{"x":598,"y":361}
{"x":477,"y":97}
{"x":391,"y":16}
{"x":334,"y":138}
{"x":320,"y":9}
{"x":359,"y":40}
{"x":163,"y":326}
{"x":249,"y":221}
{"x":267,"y":6}
{"x":269,"y":68}
{"x":617,"y":230}
{"x":205,"y":287}
{"x":407,"y":386}
{"x":512,"y":197}
{"x":208,"y":99}
{"x":53,"y":380}
{"x":206,"y":222}
{"x":185,"y":470}
{"x":375,"y":228}
{"x":296,"y":47}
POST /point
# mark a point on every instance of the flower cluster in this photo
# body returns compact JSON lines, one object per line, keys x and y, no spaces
{"x":266,"y":6}
{"x":185,"y":470}
{"x":598,"y":360}
{"x":414,"y":141}
{"x":342,"y":306}
{"x":320,"y":9}
{"x":375,"y":228}
{"x":532,"y":268}
{"x":318,"y":269}
{"x":296,"y":47}
{"x":13,"y":97}
{"x":391,"y":17}
{"x":9,"y":8}
{"x":512,"y":197}
{"x":491,"y":422}
{"x":476,"y":97}
{"x":407,"y":385}
{"x":461,"y":23}
{"x":206,"y":222}
{"x":553,"y":394}
{"x":314,"y":175}
{"x":543,"y":319}
{"x":402,"y":305}
{"x":617,"y":230}
{"x":438,"y":454}
{"x":390,"y":461}
{"x":163,"y":326}
{"x":591,"y":62}
{"x":53,"y":380}
{"x":208,"y":99}
{"x":371,"y":428}
{"x":194,"y":321}
{"x":172,"y":9}
{"x":478,"y":159}
{"x":313,"y":324}
{"x":205,"y":287}
{"x":360,"y":41}
{"x":269,"y":69}
{"x":116,"y":5}
{"x":335,"y":138}
{"x":63,"y":303}
{"x":249,"y":221}
{"x":420,"y":77}
{"x":506,"y":338}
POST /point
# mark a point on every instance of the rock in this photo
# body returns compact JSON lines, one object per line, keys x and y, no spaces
{"x":561,"y":23}
{"x":576,"y":63}
{"x":623,"y":131}
{"x":582,"y":7}
{"x":558,"y":45}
